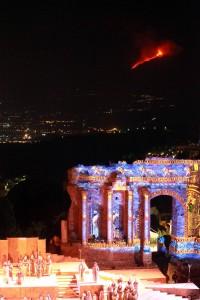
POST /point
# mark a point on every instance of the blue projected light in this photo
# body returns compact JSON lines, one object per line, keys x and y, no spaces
{"x":141,"y":180}
{"x":153,"y":167}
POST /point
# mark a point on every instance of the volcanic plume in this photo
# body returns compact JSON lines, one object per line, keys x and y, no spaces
{"x":156,"y":51}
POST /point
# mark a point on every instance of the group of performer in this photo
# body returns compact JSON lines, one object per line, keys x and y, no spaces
{"x":115,"y":291}
{"x":95,"y":271}
{"x":33,"y":265}
{"x":118,"y":290}
{"x":123,"y":291}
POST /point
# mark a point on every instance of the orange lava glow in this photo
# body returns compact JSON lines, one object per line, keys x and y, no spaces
{"x":151,"y":53}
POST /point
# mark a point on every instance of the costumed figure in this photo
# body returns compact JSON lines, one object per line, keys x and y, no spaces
{"x":127,"y":289}
{"x":95,"y":271}
{"x":32,"y":264}
{"x":4,"y":260}
{"x":20,"y":261}
{"x":4,"y":265}
{"x":120,"y":291}
{"x":101,"y":295}
{"x":6,"y":271}
{"x":114,"y":294}
{"x":26,"y":265}
{"x":135,"y":285}
{"x":126,"y":293}
{"x":109,"y":292}
{"x":95,"y":297}
{"x":83,"y":297}
{"x":88,"y":295}
{"x":81,"y":271}
{"x":10,"y":270}
{"x":39,"y":265}
{"x":48,"y":266}
{"x":132,"y":295}
{"x":20,"y":276}
{"x":129,"y":284}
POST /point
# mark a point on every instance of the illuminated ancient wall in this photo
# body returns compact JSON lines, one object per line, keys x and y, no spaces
{"x":112,"y":203}
{"x":194,"y":204}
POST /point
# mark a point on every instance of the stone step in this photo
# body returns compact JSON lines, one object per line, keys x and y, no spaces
{"x":178,"y":289}
{"x":157,"y":295}
{"x":67,"y":286}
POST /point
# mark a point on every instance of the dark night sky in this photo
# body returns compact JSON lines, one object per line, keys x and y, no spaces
{"x":81,"y":55}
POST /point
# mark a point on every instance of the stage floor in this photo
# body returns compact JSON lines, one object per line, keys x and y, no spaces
{"x":33,"y":286}
{"x":30,"y":287}
{"x":68,"y":267}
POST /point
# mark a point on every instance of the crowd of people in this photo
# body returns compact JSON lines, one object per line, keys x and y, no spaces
{"x":116,"y":291}
{"x":33,"y":265}
{"x":123,"y":291}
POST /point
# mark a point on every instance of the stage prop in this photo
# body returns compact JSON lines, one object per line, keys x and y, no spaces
{"x":13,"y":248}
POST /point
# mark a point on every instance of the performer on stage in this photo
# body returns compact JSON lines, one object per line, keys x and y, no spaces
{"x":20,"y":261}
{"x":10,"y":270}
{"x":101,"y":295}
{"x":81,"y":271}
{"x":132,"y":295}
{"x":135,"y":285}
{"x":120,"y":291}
{"x":6,"y":271}
{"x":48,"y":264}
{"x":114,"y":294}
{"x":88,"y":295}
{"x":32,"y":264}
{"x":26,"y":265}
{"x":95,"y":271}
{"x":39,"y":265}
{"x":20,"y":276}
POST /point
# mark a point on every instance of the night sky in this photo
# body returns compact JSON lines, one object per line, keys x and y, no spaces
{"x":76,"y":56}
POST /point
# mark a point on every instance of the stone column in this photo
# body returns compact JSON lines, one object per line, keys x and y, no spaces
{"x":84,"y":217}
{"x":130,"y":217}
{"x":64,"y":235}
{"x":146,"y":251}
{"x":136,"y":208}
{"x":109,"y":218}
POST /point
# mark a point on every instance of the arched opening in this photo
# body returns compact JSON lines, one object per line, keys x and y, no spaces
{"x":94,"y":218}
{"x":161,"y":214}
{"x":117,"y":216}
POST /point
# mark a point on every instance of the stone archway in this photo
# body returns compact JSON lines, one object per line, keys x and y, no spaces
{"x":146,"y":196}
{"x":180,"y":200}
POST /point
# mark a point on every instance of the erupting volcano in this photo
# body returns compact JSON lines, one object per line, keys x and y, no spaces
{"x":154,"y":52}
